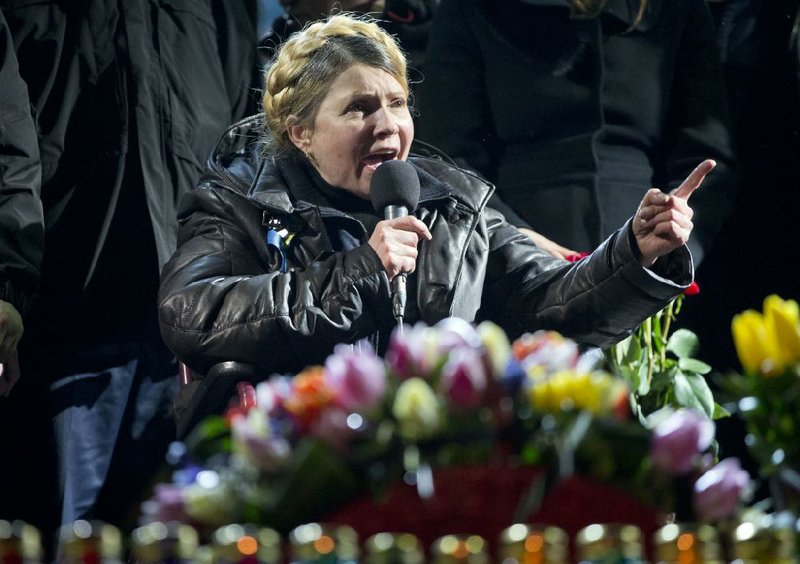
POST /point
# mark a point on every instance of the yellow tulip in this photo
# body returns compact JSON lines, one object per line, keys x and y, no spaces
{"x":539,"y":396}
{"x":757,"y":348}
{"x":783,"y":318}
{"x":497,"y":346}
{"x":417,"y":409}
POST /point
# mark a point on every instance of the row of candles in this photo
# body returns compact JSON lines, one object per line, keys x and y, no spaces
{"x":85,"y":542}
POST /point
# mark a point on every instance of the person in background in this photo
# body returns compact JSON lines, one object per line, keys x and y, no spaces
{"x":759,"y":45}
{"x":21,"y":219}
{"x":128,"y":97}
{"x":408,"y":20}
{"x":574,"y":108}
{"x":21,"y":249}
{"x":282,"y":253}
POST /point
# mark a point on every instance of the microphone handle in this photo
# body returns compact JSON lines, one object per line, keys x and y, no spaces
{"x":398,"y":283}
{"x":393,"y":212}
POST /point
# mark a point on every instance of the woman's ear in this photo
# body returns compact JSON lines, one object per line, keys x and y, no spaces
{"x":299,"y":134}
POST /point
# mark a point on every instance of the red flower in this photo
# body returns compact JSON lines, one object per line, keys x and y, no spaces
{"x":575,"y":257}
{"x":692,"y":290}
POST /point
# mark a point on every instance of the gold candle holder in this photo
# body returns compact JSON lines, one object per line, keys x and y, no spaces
{"x":533,"y":544}
{"x":460,"y":549}
{"x":394,"y":548}
{"x":612,"y":542}
{"x":698,"y":544}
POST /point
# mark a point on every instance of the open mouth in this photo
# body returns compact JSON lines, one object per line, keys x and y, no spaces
{"x":374,"y":160}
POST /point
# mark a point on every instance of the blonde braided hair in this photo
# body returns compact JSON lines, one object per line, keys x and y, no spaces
{"x":300,"y":75}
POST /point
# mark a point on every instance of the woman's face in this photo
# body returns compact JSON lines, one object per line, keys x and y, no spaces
{"x":363,"y":121}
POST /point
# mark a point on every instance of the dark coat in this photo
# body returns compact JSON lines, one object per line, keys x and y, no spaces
{"x":129,"y":98}
{"x":21,"y":220}
{"x":225,"y":294}
{"x":574,"y":119}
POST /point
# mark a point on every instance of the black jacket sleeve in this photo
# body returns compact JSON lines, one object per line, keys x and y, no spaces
{"x":222,"y":299}
{"x":21,"y":219}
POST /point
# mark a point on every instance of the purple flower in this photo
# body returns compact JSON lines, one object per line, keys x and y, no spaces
{"x":679,"y":438}
{"x":357,"y":376}
{"x":454,"y":332}
{"x":463,"y":378}
{"x":168,"y":504}
{"x":406,"y":355}
{"x":718,"y":491}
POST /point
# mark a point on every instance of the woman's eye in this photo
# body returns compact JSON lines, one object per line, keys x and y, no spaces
{"x":399,"y":103}
{"x":358,"y":107}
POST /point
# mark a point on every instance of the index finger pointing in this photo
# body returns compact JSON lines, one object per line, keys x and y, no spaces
{"x":694,"y":179}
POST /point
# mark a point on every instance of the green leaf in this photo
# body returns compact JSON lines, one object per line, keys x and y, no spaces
{"x":683,"y":343}
{"x":211,"y":436}
{"x":643,"y":384}
{"x":664,"y":380}
{"x":691,"y":390}
{"x":720,"y":412}
{"x":693,"y":365}
{"x":316,"y":481}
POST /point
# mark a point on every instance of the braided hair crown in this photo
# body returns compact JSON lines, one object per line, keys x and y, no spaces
{"x":299,"y":76}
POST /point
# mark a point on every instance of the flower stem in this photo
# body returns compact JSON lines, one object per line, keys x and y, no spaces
{"x":669,"y":314}
{"x":647,"y":332}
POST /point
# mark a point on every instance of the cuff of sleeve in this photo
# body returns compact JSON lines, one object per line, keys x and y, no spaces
{"x":19,"y":299}
{"x":671,"y":274}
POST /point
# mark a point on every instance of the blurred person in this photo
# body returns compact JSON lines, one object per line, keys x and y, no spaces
{"x":282,"y":253}
{"x":21,"y":219}
{"x":408,"y":20}
{"x":128,"y":97}
{"x":574,"y":108}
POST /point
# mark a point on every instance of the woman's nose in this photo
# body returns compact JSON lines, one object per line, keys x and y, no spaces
{"x":386,"y":123}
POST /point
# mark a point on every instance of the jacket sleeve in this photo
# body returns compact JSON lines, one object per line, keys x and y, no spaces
{"x":220,"y":300}
{"x":699,"y":129}
{"x":21,"y":219}
{"x":597,"y":301}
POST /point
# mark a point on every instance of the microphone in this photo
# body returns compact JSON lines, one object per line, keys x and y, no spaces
{"x":394,"y":190}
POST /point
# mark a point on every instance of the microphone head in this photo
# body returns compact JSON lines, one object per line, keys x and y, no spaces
{"x":394,"y":183}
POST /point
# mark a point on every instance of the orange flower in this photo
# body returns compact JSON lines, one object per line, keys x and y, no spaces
{"x":309,"y":395}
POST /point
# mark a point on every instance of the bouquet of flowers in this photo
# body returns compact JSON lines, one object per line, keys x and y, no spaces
{"x":768,"y":393}
{"x":660,"y":366}
{"x":450,"y":394}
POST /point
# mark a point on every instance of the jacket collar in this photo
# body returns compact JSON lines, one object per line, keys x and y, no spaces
{"x":271,"y":186}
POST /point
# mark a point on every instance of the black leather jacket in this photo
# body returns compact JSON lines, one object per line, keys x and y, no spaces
{"x":224,"y":295}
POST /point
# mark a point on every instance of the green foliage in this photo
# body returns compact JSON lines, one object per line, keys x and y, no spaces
{"x":661,"y":369}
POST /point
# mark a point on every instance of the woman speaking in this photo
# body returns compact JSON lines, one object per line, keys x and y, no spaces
{"x":282,"y":253}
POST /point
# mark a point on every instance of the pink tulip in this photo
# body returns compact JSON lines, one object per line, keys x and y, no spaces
{"x":718,"y":491}
{"x":679,"y":439}
{"x":406,"y":355}
{"x":357,"y":376}
{"x":332,"y":427}
{"x":463,"y":378}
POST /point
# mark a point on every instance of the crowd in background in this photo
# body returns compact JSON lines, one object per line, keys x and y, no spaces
{"x":109,"y":109}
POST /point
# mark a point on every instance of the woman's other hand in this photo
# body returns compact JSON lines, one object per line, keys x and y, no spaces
{"x":395,"y":241}
{"x":663,"y":222}
{"x":548,"y":246}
